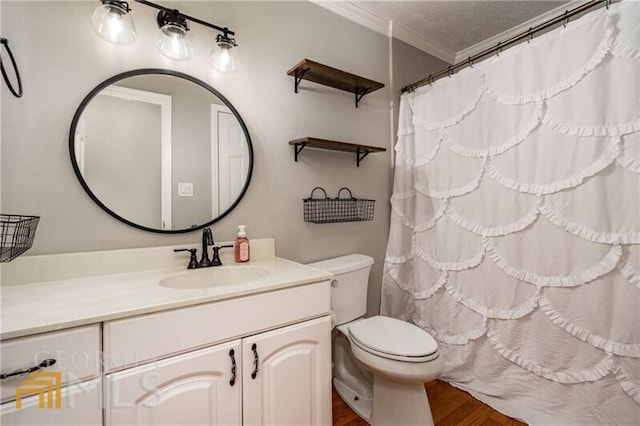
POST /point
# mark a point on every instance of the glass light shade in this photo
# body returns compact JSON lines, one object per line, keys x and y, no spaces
{"x":175,"y":42}
{"x":223,"y":58}
{"x":113,"y":23}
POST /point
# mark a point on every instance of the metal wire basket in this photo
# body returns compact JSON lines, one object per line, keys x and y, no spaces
{"x":333,"y":210}
{"x":16,"y":235}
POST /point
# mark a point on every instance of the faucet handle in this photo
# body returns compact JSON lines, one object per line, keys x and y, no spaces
{"x":216,"y":255}
{"x":193,"y":261}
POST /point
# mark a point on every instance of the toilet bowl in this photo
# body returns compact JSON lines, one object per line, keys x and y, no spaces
{"x":380,"y":364}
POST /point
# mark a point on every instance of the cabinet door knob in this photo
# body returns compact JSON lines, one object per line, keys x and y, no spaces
{"x":256,"y":361}
{"x":232,"y":354}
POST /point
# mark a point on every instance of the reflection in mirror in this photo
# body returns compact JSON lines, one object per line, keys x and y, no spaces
{"x":161,"y":150}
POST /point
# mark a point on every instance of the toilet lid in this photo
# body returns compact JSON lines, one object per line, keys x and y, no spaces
{"x":394,"y":339}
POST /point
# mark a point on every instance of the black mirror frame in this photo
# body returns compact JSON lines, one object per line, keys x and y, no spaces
{"x":145,"y":71}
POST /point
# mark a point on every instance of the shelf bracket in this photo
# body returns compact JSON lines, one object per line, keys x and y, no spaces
{"x":298,"y":78}
{"x":298,"y":148}
{"x":360,"y":94}
{"x":360,"y":154}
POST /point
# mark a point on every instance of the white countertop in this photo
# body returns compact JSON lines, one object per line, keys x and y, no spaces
{"x":53,"y":305}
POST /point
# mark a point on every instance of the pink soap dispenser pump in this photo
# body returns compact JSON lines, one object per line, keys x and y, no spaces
{"x":242,"y":245}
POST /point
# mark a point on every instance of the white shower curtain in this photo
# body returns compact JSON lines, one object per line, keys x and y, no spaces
{"x":515,"y":228}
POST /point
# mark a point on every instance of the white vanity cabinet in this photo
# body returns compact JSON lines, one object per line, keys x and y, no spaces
{"x":144,"y":354}
{"x":75,"y":373}
{"x":81,"y":405}
{"x":177,"y":367}
{"x":280,"y":377}
{"x":197,"y":388}
{"x":287,"y":375}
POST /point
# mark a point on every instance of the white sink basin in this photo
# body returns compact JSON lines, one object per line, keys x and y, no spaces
{"x":216,"y":276}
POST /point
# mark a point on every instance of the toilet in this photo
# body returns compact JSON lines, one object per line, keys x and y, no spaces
{"x":380,"y":364}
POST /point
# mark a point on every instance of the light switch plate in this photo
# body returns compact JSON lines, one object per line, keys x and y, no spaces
{"x":185,"y":189}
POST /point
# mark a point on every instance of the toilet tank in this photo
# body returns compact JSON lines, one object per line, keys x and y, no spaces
{"x":349,"y":285}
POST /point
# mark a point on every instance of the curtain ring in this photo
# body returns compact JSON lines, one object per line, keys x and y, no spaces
{"x":16,"y":93}
{"x":449,"y":71}
{"x":607,"y":4}
{"x":498,"y":49}
{"x":566,"y":18}
{"x":530,"y":35}
{"x":429,"y":80}
{"x":470,"y":61}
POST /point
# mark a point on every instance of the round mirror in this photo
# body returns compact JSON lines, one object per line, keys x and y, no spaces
{"x":161,"y":150}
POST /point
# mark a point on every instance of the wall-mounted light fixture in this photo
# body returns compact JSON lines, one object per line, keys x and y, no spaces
{"x":222,"y":58}
{"x":174,"y":43}
{"x":112,"y":22}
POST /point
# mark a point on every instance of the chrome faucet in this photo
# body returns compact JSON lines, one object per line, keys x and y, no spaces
{"x":207,"y":240}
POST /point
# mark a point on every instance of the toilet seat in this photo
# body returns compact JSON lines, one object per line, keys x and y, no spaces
{"x":393,"y":339}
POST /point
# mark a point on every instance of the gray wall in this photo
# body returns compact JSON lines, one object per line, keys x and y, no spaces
{"x":409,"y":65}
{"x":3,"y":92}
{"x":61,"y":60}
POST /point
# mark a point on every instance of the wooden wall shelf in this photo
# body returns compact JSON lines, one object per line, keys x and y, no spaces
{"x":361,"y":151}
{"x":332,"y":77}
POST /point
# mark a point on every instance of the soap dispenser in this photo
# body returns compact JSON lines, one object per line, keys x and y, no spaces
{"x":242,"y":245}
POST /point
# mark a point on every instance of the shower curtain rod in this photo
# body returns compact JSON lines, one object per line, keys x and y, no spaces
{"x":450,"y":70}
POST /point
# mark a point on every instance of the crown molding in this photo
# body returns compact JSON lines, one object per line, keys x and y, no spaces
{"x":421,"y":42}
{"x":463,"y":54}
{"x":351,"y":11}
{"x":355,"y":13}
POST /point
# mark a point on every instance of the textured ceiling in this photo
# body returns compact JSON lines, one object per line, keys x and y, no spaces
{"x":449,"y":25}
{"x":457,"y":25}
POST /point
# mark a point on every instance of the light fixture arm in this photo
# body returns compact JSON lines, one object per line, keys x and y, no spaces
{"x":224,"y":30}
{"x":123,"y":4}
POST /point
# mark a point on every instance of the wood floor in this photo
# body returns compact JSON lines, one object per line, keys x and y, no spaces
{"x":449,"y":406}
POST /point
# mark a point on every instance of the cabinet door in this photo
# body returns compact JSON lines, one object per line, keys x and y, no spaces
{"x":286,"y":375}
{"x":80,"y":404}
{"x":194,"y":388}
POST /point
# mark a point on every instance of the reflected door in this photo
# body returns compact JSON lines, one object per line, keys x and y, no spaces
{"x":109,"y":153}
{"x":231,"y":157}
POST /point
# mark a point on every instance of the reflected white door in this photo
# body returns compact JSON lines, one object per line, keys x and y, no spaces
{"x":230,"y":158}
{"x":127,"y":160}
